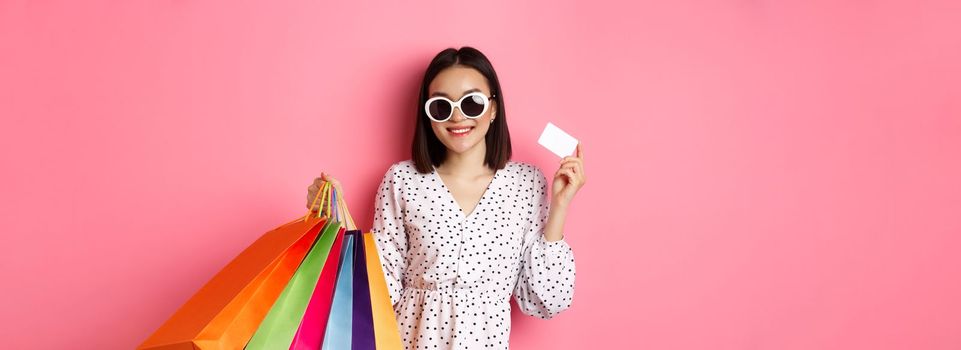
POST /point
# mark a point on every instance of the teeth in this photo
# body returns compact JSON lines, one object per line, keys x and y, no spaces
{"x":460,"y":131}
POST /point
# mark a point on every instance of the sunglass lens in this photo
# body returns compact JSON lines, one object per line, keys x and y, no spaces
{"x":473,"y":106}
{"x":439,"y":109}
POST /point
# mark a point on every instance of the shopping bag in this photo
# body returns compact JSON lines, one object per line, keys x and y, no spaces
{"x":338,"y":332}
{"x":224,"y":313}
{"x":362,"y":320}
{"x":387,"y":336}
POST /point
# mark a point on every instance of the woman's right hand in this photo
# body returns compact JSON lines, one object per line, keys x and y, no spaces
{"x":317,"y":185}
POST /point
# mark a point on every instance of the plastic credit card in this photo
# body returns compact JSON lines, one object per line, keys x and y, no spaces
{"x":557,"y":141}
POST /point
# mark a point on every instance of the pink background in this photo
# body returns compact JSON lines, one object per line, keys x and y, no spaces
{"x":762,"y":174}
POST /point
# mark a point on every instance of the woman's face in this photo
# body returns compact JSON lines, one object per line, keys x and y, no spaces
{"x":454,"y":83}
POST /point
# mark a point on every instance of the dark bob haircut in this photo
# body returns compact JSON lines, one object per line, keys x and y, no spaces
{"x":426,"y":150}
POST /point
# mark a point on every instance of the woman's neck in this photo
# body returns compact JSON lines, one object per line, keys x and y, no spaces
{"x":470,"y":163}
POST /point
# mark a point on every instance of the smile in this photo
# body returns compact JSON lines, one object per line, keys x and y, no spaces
{"x":461,"y":131}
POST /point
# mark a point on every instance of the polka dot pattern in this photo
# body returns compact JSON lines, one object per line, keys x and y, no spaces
{"x":451,"y":275}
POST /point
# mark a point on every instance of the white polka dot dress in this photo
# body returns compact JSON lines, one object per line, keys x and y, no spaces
{"x":451,"y":275}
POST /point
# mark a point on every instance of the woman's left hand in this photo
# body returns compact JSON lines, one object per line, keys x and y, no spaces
{"x":569,"y":178}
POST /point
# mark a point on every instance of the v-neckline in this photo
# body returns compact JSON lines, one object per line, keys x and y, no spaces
{"x":450,"y":195}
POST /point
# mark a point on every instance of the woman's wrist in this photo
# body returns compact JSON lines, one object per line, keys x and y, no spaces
{"x":554,"y":228}
{"x":559,"y":205}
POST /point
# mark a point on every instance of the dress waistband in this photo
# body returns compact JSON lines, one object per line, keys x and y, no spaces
{"x":454,"y":288}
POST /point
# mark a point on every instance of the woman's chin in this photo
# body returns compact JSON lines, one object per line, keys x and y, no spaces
{"x":460,"y":146}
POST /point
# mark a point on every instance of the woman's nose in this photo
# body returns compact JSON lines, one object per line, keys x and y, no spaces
{"x":456,"y":115}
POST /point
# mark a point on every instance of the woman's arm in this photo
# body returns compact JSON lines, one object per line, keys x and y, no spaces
{"x":568,"y":179}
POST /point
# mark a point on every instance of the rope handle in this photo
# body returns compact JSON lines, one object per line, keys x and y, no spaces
{"x":351,"y":225}
{"x":325,"y":190}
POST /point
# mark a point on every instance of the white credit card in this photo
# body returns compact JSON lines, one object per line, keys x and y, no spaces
{"x":557,"y":141}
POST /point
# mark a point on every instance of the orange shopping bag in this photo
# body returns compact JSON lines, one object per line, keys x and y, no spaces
{"x":386,"y":334}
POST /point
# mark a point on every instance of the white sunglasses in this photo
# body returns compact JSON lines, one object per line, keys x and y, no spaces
{"x":440,"y":109}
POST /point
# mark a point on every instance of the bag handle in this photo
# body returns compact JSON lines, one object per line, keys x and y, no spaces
{"x":325,"y":190}
{"x":351,"y":225}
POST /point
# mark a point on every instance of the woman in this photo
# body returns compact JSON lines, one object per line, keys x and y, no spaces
{"x":461,"y":228}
